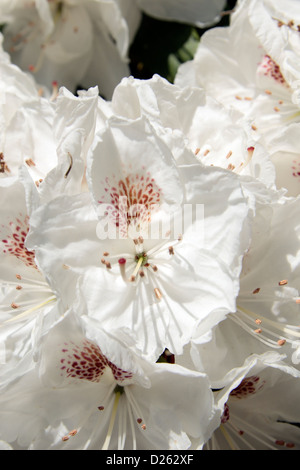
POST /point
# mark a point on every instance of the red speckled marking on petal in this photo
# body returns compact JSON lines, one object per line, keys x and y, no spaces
{"x":132,"y":198}
{"x":270,"y":69}
{"x":296,"y":169}
{"x":13,"y":238}
{"x":248,"y":386}
{"x":225,"y":415}
{"x":86,"y":362}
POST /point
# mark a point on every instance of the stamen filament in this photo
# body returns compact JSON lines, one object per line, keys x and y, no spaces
{"x":228,"y":438}
{"x":112,"y":421}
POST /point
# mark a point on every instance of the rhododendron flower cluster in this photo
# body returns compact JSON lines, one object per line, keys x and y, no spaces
{"x":149,"y":231}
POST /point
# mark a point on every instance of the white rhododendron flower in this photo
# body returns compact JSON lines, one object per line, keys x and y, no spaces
{"x":71,"y":42}
{"x":258,"y":403}
{"x":249,"y":66}
{"x":156,"y":284}
{"x":97,"y":394}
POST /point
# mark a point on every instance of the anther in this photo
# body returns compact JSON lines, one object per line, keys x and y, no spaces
{"x":268,"y":92}
{"x":256,"y":291}
{"x":14,"y":305}
{"x":73,"y":433}
{"x":283,"y":282}
{"x":154,"y":267}
{"x":19,"y":287}
{"x":65,"y":438}
{"x":141,"y":273}
{"x":253,"y":127}
{"x":276,"y":109}
{"x":107,"y":264}
{"x":197,"y":151}
{"x":259,"y":330}
{"x":157,"y":293}
{"x":140,"y":240}
{"x":206,"y":152}
{"x":18,"y":276}
{"x":30,"y":162}
{"x":281,"y":342}
{"x":230,"y":167}
{"x":229,"y":154}
{"x":105,"y":253}
{"x":139,"y":420}
{"x":238,"y":97}
{"x":143,"y":427}
{"x":258,"y":321}
{"x":171,"y":250}
{"x":100,"y":408}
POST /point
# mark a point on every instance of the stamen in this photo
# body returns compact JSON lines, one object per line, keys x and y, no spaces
{"x":250,"y":151}
{"x":55,"y":90}
{"x":28,"y":312}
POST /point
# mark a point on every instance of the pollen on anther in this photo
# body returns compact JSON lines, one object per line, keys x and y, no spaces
{"x":157,"y":293}
{"x":283,"y":282}
{"x":30,"y":162}
{"x":259,"y":330}
{"x":65,"y":438}
{"x":73,"y":432}
{"x":105,"y":253}
{"x":14,"y":305}
{"x":253,"y":127}
{"x":171,"y":250}
{"x":258,"y":321}
{"x":18,"y":276}
{"x":143,"y":427}
{"x":281,"y":342}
